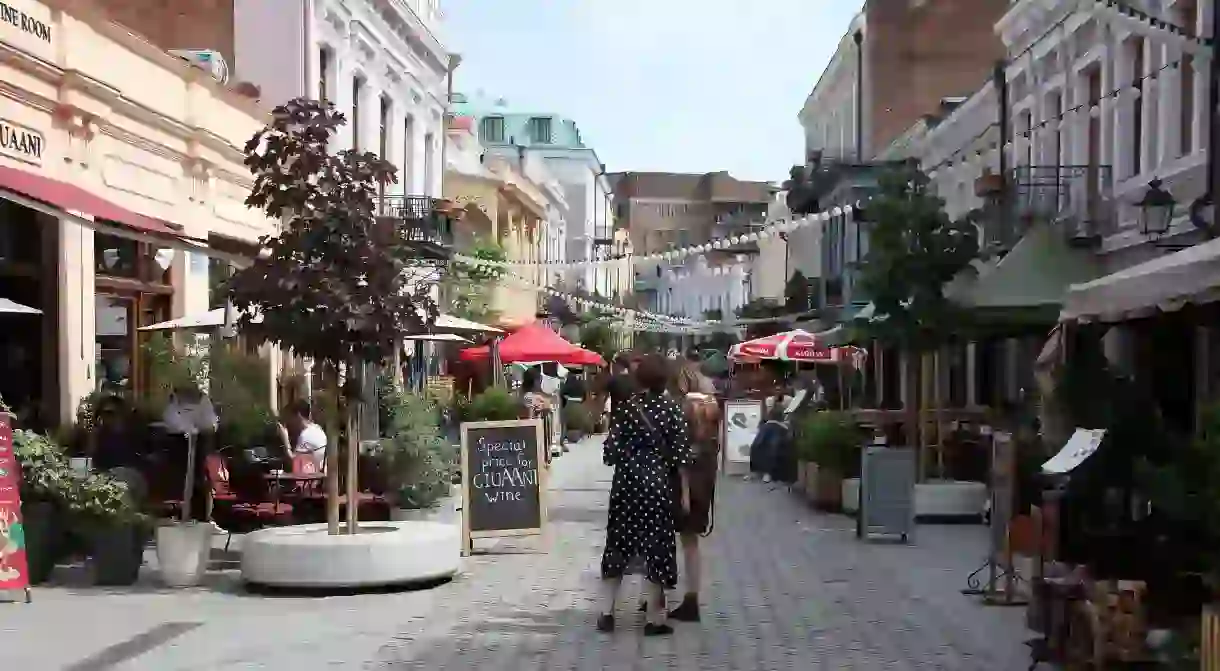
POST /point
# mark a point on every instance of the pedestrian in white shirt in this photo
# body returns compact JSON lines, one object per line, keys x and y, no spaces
{"x":310,"y":438}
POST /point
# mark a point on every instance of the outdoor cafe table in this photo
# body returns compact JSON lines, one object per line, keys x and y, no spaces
{"x":279,"y":478}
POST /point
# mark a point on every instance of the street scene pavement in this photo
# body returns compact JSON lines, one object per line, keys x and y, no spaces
{"x":787,"y":588}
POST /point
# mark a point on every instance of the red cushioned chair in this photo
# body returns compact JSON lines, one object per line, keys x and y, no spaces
{"x":240,"y":513}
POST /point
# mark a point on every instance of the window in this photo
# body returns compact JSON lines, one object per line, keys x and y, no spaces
{"x":357,"y":93}
{"x":492,"y":129}
{"x":323,"y":73}
{"x":408,"y":153}
{"x":1188,"y":10}
{"x":540,"y":130}
{"x":1137,"y":106}
{"x":383,"y":137}
{"x":429,"y":152}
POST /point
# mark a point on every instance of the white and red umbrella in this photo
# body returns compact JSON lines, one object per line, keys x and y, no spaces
{"x":799,"y":346}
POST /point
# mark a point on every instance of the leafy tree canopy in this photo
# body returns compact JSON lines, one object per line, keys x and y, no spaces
{"x":914,"y":250}
{"x":467,"y":286}
{"x":336,"y":283}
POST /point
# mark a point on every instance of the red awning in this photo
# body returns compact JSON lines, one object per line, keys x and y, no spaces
{"x":71,"y":197}
{"x":535,"y":342}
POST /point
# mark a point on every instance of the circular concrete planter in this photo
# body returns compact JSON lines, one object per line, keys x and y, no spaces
{"x":381,"y":554}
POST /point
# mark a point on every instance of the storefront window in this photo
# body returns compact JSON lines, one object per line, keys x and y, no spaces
{"x":116,"y":256}
{"x":115,"y":342}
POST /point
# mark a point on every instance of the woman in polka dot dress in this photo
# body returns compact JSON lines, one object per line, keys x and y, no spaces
{"x":648,"y":440}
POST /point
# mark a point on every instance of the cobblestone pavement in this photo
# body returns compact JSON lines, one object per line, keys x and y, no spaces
{"x":787,"y":589}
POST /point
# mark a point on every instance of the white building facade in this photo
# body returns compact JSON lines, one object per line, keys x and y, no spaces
{"x":696,"y":287}
{"x":380,"y":62}
{"x":1115,"y":96}
{"x":829,"y":115}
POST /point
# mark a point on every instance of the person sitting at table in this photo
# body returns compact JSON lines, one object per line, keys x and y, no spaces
{"x":310,"y":438}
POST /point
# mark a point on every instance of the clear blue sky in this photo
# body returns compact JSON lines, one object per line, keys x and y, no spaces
{"x":668,"y":85}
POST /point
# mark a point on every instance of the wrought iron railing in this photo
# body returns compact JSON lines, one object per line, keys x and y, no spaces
{"x":420,"y":220}
{"x":1076,"y":197}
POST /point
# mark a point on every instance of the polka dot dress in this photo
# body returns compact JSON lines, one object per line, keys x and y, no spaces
{"x":640,"y":528}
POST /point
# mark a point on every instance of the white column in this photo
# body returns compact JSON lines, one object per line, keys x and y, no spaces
{"x":342,"y":94}
{"x":1148,"y":101}
{"x":77,"y":329}
{"x":1109,"y":116}
{"x":1167,"y":89}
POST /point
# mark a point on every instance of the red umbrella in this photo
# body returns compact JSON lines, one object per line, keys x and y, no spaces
{"x":797,"y":345}
{"x":535,"y":342}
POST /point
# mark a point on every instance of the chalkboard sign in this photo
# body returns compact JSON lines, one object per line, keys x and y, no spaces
{"x":503,"y":479}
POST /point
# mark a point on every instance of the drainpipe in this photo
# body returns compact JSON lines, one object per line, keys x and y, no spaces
{"x":1213,"y":136}
{"x":1000,"y":81}
{"x":858,"y":38}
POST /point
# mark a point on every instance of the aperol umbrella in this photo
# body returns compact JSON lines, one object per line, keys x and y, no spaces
{"x":535,"y":342}
{"x":796,"y":345}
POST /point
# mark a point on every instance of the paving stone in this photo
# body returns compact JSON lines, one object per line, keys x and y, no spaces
{"x":787,"y":588}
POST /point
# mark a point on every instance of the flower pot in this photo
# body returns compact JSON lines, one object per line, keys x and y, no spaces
{"x":183,"y":551}
{"x":850,"y":497}
{"x":116,"y":553}
{"x":45,"y":539}
{"x":825,"y":487}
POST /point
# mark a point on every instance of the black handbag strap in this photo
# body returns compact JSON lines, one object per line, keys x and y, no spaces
{"x":649,"y":428}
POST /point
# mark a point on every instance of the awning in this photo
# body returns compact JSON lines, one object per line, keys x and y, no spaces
{"x":1029,"y":284}
{"x":73,"y":198}
{"x":1164,"y":284}
{"x":11,"y":307}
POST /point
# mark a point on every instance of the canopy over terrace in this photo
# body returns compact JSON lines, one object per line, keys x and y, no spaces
{"x":535,"y":342}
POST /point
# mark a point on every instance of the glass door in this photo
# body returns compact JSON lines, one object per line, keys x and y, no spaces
{"x":115,"y":343}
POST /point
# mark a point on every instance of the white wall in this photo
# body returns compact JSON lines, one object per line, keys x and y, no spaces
{"x":940,"y":151}
{"x":828,"y":116}
{"x":695,"y":287}
{"x":361,"y":43}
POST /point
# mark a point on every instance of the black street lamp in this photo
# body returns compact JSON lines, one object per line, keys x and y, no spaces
{"x":1156,"y":210}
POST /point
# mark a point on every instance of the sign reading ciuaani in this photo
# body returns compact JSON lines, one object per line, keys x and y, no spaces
{"x":21,"y":143}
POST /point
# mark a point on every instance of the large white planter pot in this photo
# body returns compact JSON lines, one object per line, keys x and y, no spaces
{"x":950,"y":499}
{"x":381,"y":554}
{"x":183,"y":551}
{"x":851,"y":495}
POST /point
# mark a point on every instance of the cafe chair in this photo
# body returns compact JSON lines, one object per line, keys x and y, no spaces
{"x":244,"y":514}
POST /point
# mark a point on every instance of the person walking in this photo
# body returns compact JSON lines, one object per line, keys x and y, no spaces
{"x":648,"y":442}
{"x":697,"y":395}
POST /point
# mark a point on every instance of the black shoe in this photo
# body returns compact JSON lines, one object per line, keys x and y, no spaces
{"x":605,"y":622}
{"x":687,"y":611}
{"x":662,"y":629}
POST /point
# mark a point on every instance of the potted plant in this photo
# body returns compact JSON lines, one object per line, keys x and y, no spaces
{"x":493,"y":405}
{"x":46,"y":476}
{"x":578,"y":421}
{"x":105,"y":513}
{"x":415,"y":460}
{"x":830,"y":442}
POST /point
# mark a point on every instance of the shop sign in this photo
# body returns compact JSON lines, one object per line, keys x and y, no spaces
{"x":14,"y":572}
{"x":21,"y":143}
{"x":27,"y":24}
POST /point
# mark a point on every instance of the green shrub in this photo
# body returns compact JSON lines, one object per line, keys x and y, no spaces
{"x":414,"y":458}
{"x":830,"y":439}
{"x":47,"y":477}
{"x":493,"y":405}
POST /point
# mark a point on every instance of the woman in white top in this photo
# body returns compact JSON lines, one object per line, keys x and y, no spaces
{"x":310,"y":438}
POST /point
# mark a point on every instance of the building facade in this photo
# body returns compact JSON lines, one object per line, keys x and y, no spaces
{"x":115,"y":195}
{"x":512,"y":206}
{"x":379,"y":61}
{"x":664,"y":211}
{"x":556,"y":141}
{"x":898,"y":62}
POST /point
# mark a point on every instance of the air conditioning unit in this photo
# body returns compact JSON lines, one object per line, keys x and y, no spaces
{"x":206,"y":59}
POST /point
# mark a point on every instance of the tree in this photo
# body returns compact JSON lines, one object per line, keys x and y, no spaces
{"x":914,"y":251}
{"x":596,"y":336}
{"x":467,"y":286}
{"x":798,"y":295}
{"x":336,"y":284}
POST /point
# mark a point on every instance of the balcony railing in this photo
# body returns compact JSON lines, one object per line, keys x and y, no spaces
{"x":424,"y":223}
{"x":1073,"y":197}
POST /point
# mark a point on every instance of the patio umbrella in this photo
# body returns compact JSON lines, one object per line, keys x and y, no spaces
{"x":535,"y":342}
{"x":9,"y":307}
{"x":797,"y":346}
{"x":200,"y":321}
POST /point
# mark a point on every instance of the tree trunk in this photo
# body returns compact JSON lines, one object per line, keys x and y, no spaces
{"x":910,"y":384}
{"x":925,"y":395}
{"x":331,"y":380}
{"x":354,"y":405}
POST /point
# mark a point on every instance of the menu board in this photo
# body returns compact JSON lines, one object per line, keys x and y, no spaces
{"x":503,"y":476}
{"x":14,"y":570}
{"x":741,"y":421}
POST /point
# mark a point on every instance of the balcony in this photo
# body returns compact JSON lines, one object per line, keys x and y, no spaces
{"x":425,"y":224}
{"x":1075,"y":198}
{"x":738,"y":224}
